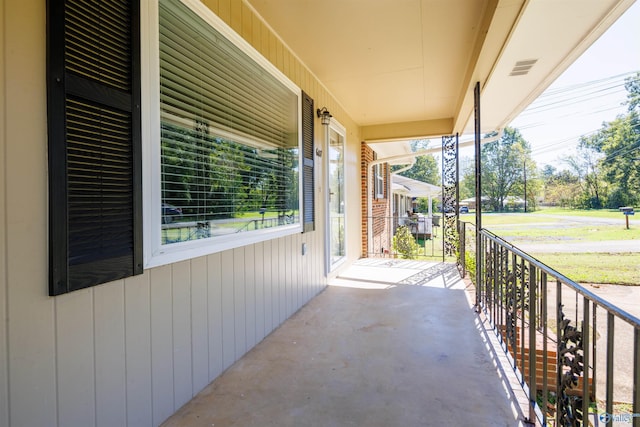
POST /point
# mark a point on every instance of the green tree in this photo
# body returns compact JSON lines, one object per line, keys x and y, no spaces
{"x":504,"y":163}
{"x":214,"y":178}
{"x":632,"y":85}
{"x":468,"y":179}
{"x":425,"y":169}
{"x":531,"y":182}
{"x":585,"y":164}
{"x":562,"y":188}
{"x":547,"y":173}
{"x":618,"y":144}
{"x":618,"y":141}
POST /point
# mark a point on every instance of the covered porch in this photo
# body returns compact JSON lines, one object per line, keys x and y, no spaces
{"x":166,"y":318}
{"x":388,"y":343}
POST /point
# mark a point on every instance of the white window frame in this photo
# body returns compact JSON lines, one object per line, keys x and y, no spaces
{"x":338,"y":128}
{"x":378,"y":184}
{"x":155,"y":253}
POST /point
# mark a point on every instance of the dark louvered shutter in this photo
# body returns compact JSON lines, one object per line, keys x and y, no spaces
{"x":95,"y":210}
{"x":307,"y":167}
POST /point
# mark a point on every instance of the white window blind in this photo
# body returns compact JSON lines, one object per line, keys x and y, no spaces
{"x":229,"y":135}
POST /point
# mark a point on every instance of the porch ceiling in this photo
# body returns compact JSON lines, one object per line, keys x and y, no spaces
{"x":405,"y":69}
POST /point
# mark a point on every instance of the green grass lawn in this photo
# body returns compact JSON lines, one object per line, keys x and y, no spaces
{"x":491,"y":218}
{"x":617,"y":269}
{"x":568,"y":234}
{"x":536,"y":227}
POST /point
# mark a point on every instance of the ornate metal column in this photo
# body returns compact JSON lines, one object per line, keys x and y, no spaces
{"x":479,"y":251}
{"x":450,"y":193}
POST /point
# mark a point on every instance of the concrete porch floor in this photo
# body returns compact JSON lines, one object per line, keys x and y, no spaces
{"x":389,"y":343}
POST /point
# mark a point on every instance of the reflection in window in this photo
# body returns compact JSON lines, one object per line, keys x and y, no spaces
{"x":229,"y":140}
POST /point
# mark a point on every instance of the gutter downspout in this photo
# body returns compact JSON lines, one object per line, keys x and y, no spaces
{"x":409,"y":166}
{"x":436,"y":150}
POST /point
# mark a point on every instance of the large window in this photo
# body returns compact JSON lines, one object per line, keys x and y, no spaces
{"x":229,"y":137}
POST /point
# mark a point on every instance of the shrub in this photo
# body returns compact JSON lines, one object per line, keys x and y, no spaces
{"x":405,"y":244}
{"x":470,"y":260}
{"x":619,"y":197}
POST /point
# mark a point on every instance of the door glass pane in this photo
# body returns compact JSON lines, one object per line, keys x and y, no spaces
{"x":336,"y":197}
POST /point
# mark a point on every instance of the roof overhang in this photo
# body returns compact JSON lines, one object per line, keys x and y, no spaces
{"x":406,"y":69}
{"x":413,"y":188}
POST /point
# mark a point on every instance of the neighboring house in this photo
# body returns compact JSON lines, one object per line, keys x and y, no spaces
{"x":513,"y":202}
{"x":406,"y":190}
{"x":471,"y":202}
{"x":387,"y":197}
{"x":246,"y":122}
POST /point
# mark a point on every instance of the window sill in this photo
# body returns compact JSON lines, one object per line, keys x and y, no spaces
{"x":176,"y":252}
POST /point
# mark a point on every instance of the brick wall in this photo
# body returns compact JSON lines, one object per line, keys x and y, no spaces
{"x":366,"y":156}
{"x":379,"y":206}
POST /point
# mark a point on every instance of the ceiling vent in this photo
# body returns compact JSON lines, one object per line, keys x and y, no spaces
{"x":523,"y":67}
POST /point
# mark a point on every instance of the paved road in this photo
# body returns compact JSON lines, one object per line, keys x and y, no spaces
{"x":578,"y":220}
{"x":581,"y":220}
{"x":626,"y":298}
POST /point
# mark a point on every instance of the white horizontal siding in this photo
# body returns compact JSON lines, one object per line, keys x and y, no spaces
{"x":260,"y":280}
{"x":199,"y":325}
{"x":214,"y":315}
{"x":30,"y":357}
{"x":75,"y":358}
{"x":126,"y":353}
{"x":138,"y":369}
{"x":110,"y":355}
{"x":162,"y":390}
{"x":133,"y":351}
{"x":182,"y":333}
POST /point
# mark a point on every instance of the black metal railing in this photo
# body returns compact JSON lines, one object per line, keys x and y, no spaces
{"x":425,"y":230}
{"x":577,"y":355}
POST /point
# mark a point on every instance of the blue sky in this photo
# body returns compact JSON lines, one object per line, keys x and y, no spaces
{"x":554,"y":123}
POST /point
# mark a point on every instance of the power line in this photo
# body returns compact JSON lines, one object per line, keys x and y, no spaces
{"x":558,"y":145}
{"x":577,"y":93}
{"x":609,"y":90}
{"x":581,"y":85}
{"x":575,"y":113}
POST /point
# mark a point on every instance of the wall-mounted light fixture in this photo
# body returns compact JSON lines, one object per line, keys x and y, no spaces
{"x":324,"y":115}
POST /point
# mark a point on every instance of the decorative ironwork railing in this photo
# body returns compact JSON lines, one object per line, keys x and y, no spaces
{"x":450,"y":193}
{"x":577,"y":355}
